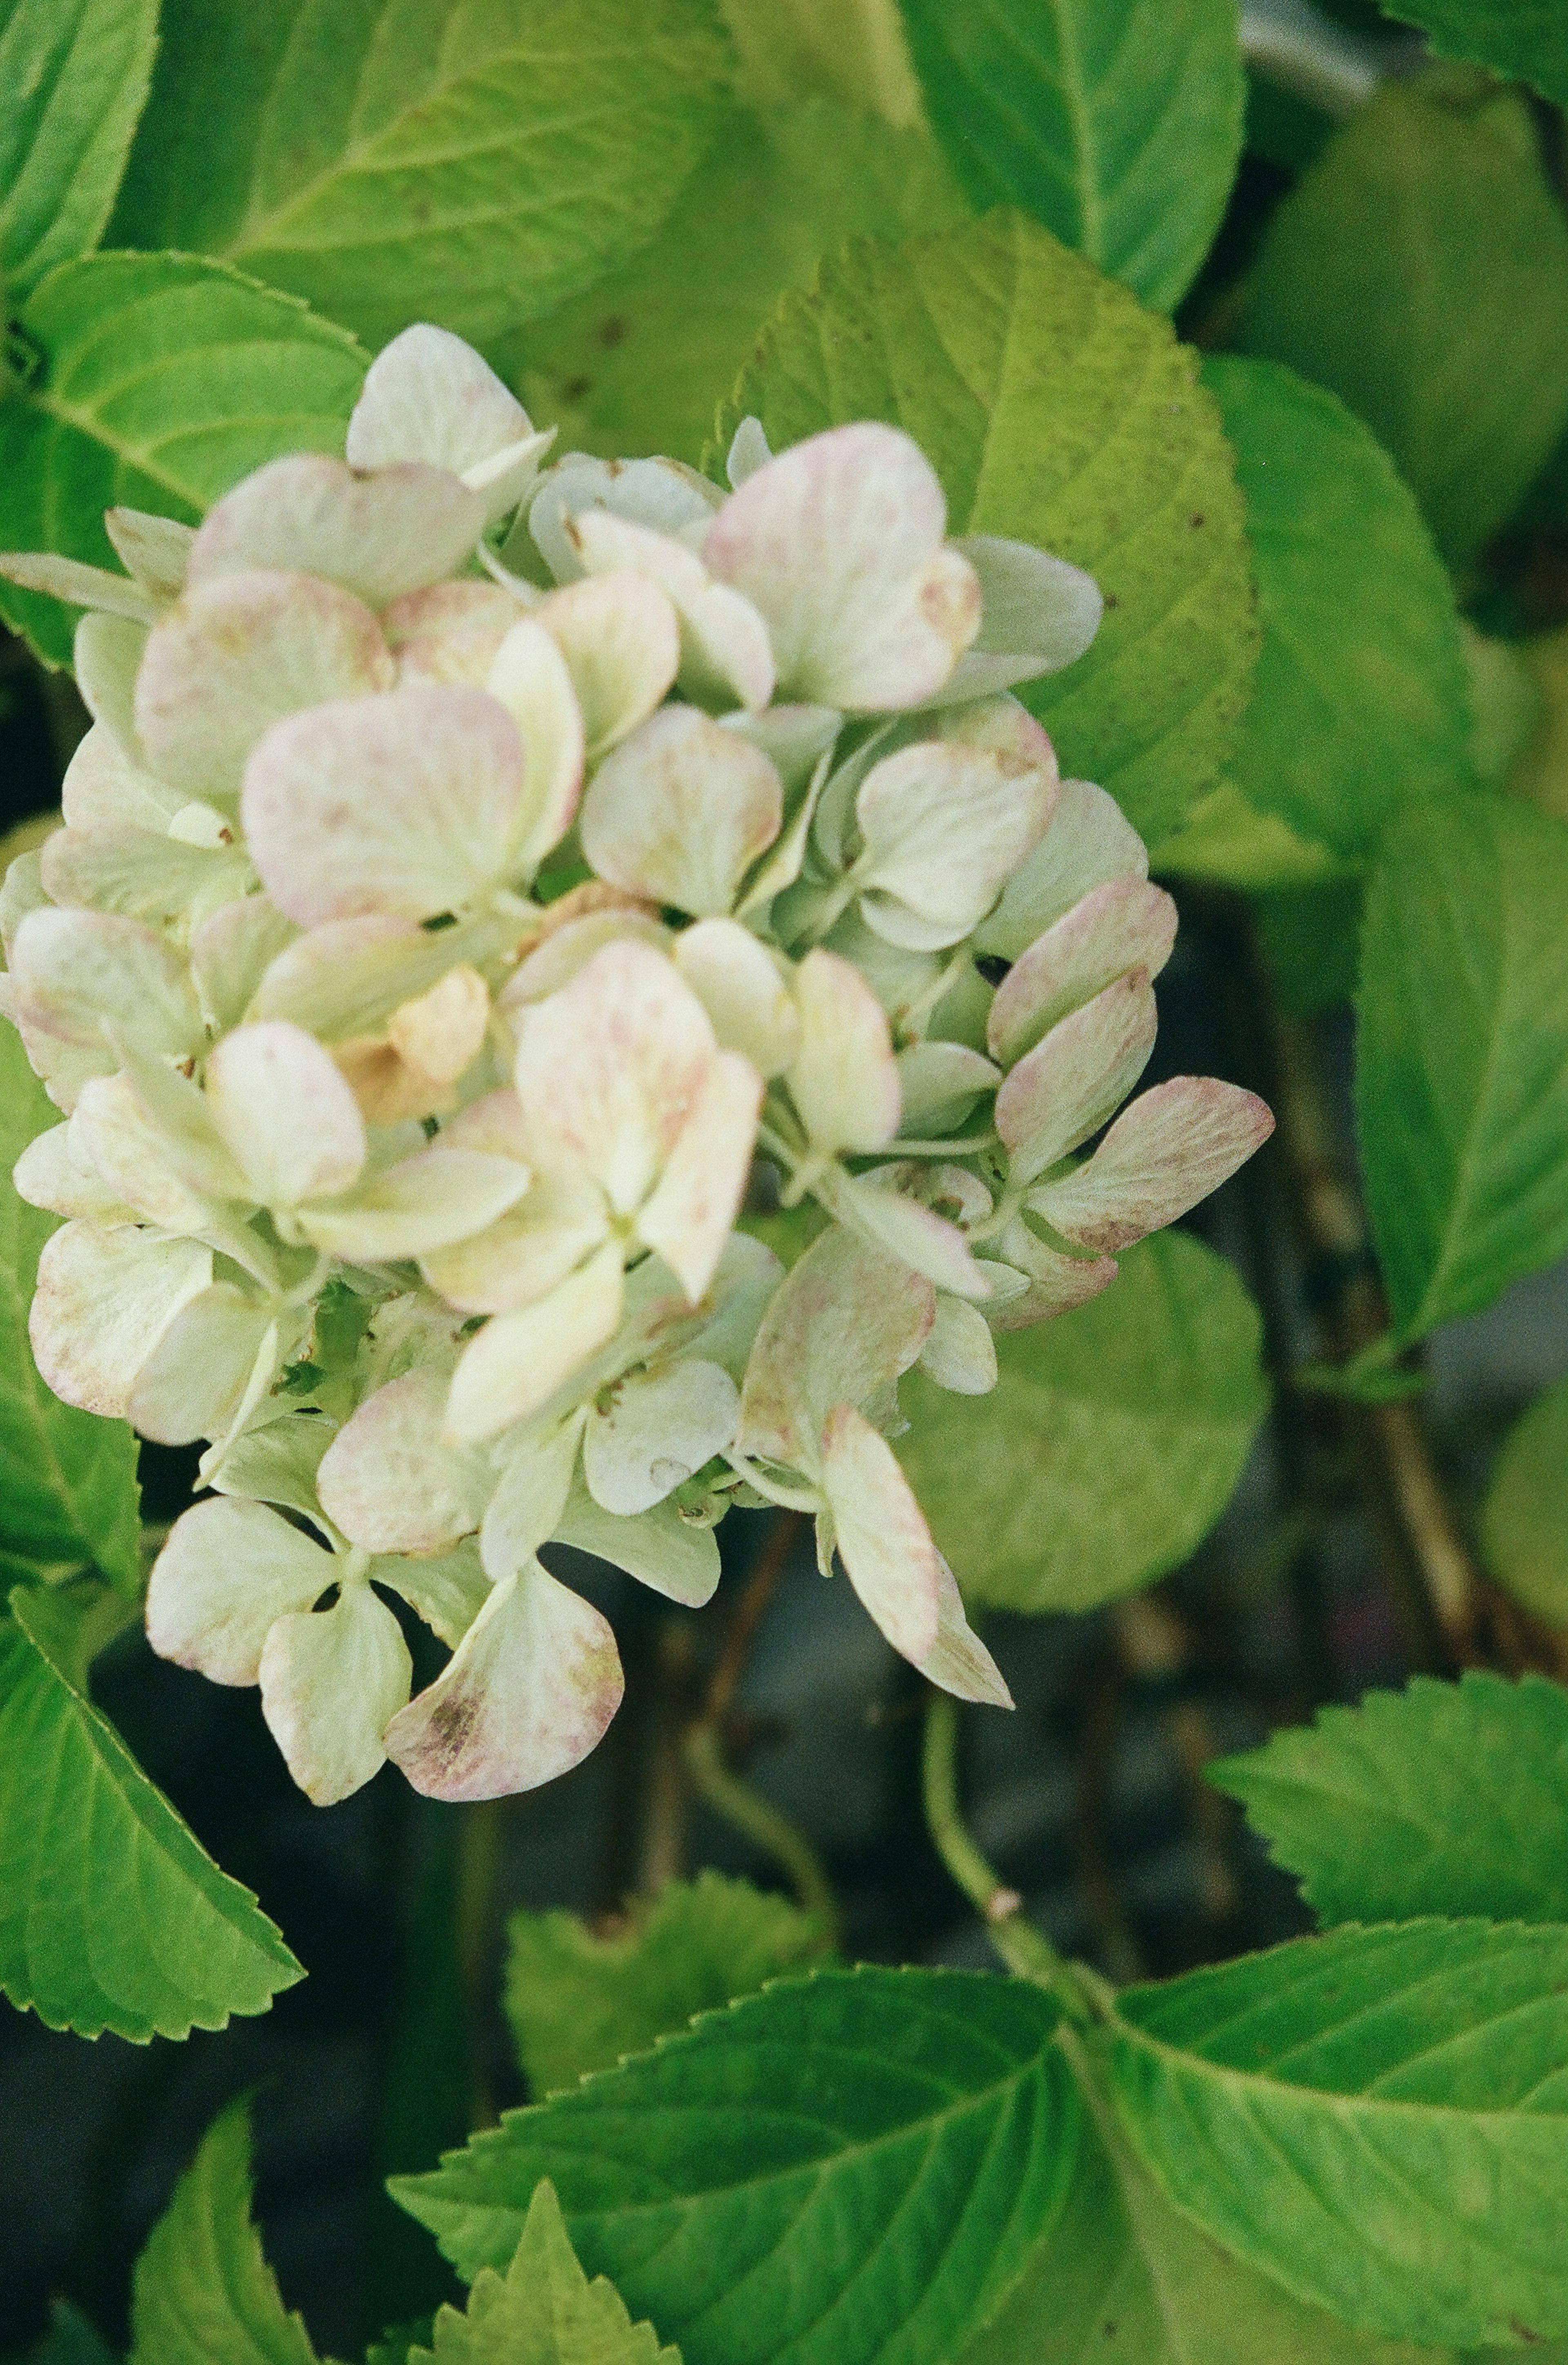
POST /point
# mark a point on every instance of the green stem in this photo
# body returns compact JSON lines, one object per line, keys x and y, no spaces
{"x":1025,"y":1950}
{"x":750,"y":1812}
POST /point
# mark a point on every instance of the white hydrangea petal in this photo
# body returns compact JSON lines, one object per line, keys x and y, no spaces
{"x":726,"y":657}
{"x":192,"y":1383}
{"x":73,"y":970}
{"x":843,"y":1079}
{"x":1172,"y":1146}
{"x":958,"y":1661}
{"x":959,"y":1352}
{"x":347,"y":975}
{"x":1090,"y":840}
{"x":376,"y":535}
{"x":449,"y":632}
{"x":227,"y":1571}
{"x":843,"y":1325}
{"x":230,"y":953}
{"x":407,"y":806}
{"x":544,"y":1236}
{"x":79,"y":585}
{"x":794,"y":739}
{"x":428,"y":395}
{"x":654,"y":1430}
{"x":285,"y":1113}
{"x":880,"y":1531}
{"x":390,"y":1482}
{"x":680,"y":812}
{"x":442,"y":1031}
{"x":106,"y":789}
{"x":1040,"y":613}
{"x":838,"y":542}
{"x":188,"y":1140}
{"x":1054,"y":1283}
{"x":749,"y":451}
{"x":913,"y":1233}
{"x":1122,"y":924}
{"x":621,"y":638}
{"x":659,"y":494}
{"x":55,"y":1171}
{"x":518,"y":1359}
{"x":740,"y":986}
{"x":423,"y":1204}
{"x":142,"y":874}
{"x":1064,"y":1089}
{"x":688,"y":1216}
{"x":657,"y":1547}
{"x":237,"y":655}
{"x":331,"y":1682}
{"x":106,"y":653}
{"x":944,"y":828}
{"x":569,"y":947}
{"x":530,"y":1691}
{"x":103,"y":1301}
{"x":530,"y":1497}
{"x":939,"y":1084}
{"x":747,"y":1276}
{"x":275,"y":1464}
{"x":448,"y":1592}
{"x":530,"y":676}
{"x":111,"y":1126}
{"x":156,"y":550}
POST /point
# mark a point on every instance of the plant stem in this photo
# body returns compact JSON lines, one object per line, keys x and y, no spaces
{"x":761,"y":1822}
{"x":478,"y":1866}
{"x":1026,"y":1950}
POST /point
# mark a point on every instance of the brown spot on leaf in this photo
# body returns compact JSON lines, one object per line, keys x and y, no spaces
{"x":614,"y":332}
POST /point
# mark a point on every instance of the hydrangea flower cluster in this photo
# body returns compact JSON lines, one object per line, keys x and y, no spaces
{"x":488,"y":888}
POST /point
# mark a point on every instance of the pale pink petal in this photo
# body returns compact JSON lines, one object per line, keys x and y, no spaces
{"x":331,"y":1681}
{"x":378,"y":536}
{"x":1089,"y":841}
{"x":347,"y":975}
{"x":844,"y":1323}
{"x":742,"y":987}
{"x":958,"y":1661}
{"x":192,"y":1383}
{"x":914,"y":1234}
{"x":55,"y":1171}
{"x":72,"y":971}
{"x":142,"y":873}
{"x":227,"y":1571}
{"x":237,"y":655}
{"x":449,"y":632}
{"x":518,"y":1361}
{"x":843,"y":1081}
{"x":428,"y":395}
{"x":839,"y":544}
{"x":104,"y":1300}
{"x":1040,"y":613}
{"x":156,"y":550}
{"x":621,"y":639}
{"x":407,"y":806}
{"x":286,"y":1113}
{"x":944,"y":828}
{"x":657,"y":1547}
{"x":230,"y":953}
{"x":1171,"y":1148}
{"x":113,"y":1128}
{"x":1124,"y":924}
{"x":531,"y":1689}
{"x":698,"y":1197}
{"x":1055,"y":1283}
{"x":725,"y":654}
{"x":881,"y":1533}
{"x":389,"y":1482}
{"x":960,"y":1353}
{"x":78,"y":585}
{"x":663,"y":495}
{"x":530,"y":677}
{"x":105,"y":654}
{"x":652,"y":1430}
{"x":1064,"y":1089}
{"x":106,"y":789}
{"x":423,"y":1204}
{"x":441,"y":1032}
{"x":680,"y":812}
{"x":530,"y":1495}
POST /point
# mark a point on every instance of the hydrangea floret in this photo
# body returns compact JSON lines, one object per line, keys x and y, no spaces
{"x":492,"y":887}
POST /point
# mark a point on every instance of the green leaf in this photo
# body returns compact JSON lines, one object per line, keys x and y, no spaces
{"x":1420,"y":270}
{"x":1462,"y":1082}
{"x":1120,"y":129}
{"x":401,"y":160}
{"x":1361,"y":698}
{"x":1056,"y":410}
{"x":1448,"y":1798}
{"x":162,"y":380}
{"x":1229,"y":841}
{"x":70,"y":2340}
{"x":68,"y":1492}
{"x":640,"y":362}
{"x":848,"y":2168}
{"x":204,"y":2294}
{"x":1524,"y":1523}
{"x":578,"y":2003}
{"x":1523,"y":41}
{"x":1310,"y":938}
{"x":544,"y":2312}
{"x":1111,"y":1445}
{"x":1375,"y":2117}
{"x":112,"y":1915}
{"x":853,"y":50}
{"x":73,"y":75}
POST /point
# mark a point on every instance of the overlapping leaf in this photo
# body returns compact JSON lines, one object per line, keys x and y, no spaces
{"x":1523,"y":1525}
{"x":543,"y":2310}
{"x":204,"y":2293}
{"x":73,"y":75}
{"x":1523,"y":41}
{"x":1056,"y":410}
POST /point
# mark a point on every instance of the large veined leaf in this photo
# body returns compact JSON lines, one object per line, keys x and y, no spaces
{"x":1462,"y":1054}
{"x":161,"y":381}
{"x":849,"y":49}
{"x":1524,"y":1522}
{"x":68,"y":1492}
{"x":73,"y":74}
{"x":1119,"y":127}
{"x":641,"y":360}
{"x":1375,"y":2117}
{"x":1523,"y":41}
{"x":847,"y":2168}
{"x":112,"y":1915}
{"x":1111,"y":1444}
{"x":1362,"y":697}
{"x":1420,"y":270}
{"x":204,"y":2293}
{"x":1056,"y":410}
{"x":543,"y":2310}
{"x":576,"y":2001}
{"x":1448,"y":1798}
{"x":468,"y":161}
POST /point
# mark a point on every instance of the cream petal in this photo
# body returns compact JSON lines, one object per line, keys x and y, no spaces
{"x":843,"y":1081}
{"x":659,"y":494}
{"x":654,"y":1430}
{"x":181,"y":1119}
{"x":793,"y":738}
{"x":725,"y":658}
{"x":1054,"y":1283}
{"x":20,"y":892}
{"x":286,"y":1113}
{"x":694,"y":1204}
{"x":156,"y":550}
{"x":331,"y":1682}
{"x":944,"y":828}
{"x":230,"y":953}
{"x":680,"y":812}
{"x":143,"y":874}
{"x":113,"y":1128}
{"x":913,"y":1233}
{"x":838,"y":542}
{"x":559,"y":1220}
{"x":530,"y":676}
{"x":276,"y":1463}
{"x":55,"y":1171}
{"x":423,"y":1204}
{"x":530,"y":1497}
{"x":1039,"y":613}
{"x":959,"y":1352}
{"x":72,"y":972}
{"x":348,"y":975}
{"x":518,"y":1361}
{"x":195,"y":1378}
{"x":390,"y":1483}
{"x":449,"y":632}
{"x":78,"y":585}
{"x":939,"y":1084}
{"x":749,"y":451}
{"x":882,"y":1537}
{"x":1124,"y":924}
{"x":234,"y":657}
{"x":106,"y":789}
{"x":570,"y":946}
{"x":407,"y":806}
{"x":1089,"y":841}
{"x":659,"y":1548}
{"x":741,"y":987}
{"x":106,"y":653}
{"x":428,"y":395}
{"x":843,"y":1325}
{"x":441,"y":1032}
{"x":227,"y":1571}
{"x":448,"y":1593}
{"x":1064,"y":1089}
{"x":1171,"y":1148}
{"x":379,"y":535}
{"x":958,"y":1661}
{"x":621,"y":639}
{"x":104,"y":1300}
{"x":531,"y":1689}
